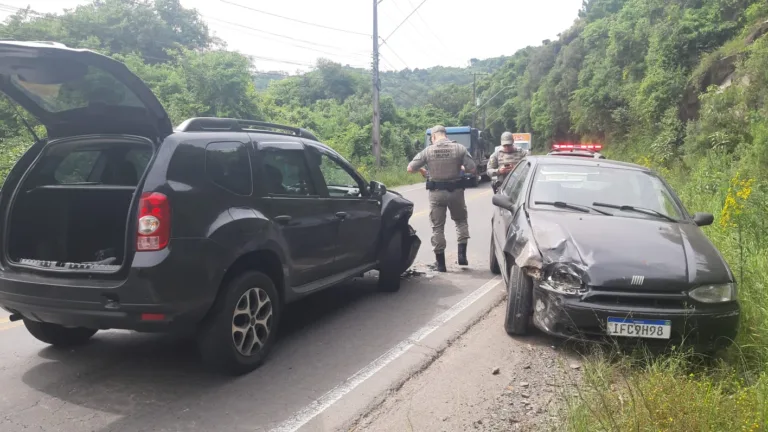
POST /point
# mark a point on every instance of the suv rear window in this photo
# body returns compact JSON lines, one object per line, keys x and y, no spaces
{"x":95,"y":86}
{"x":228,"y":165}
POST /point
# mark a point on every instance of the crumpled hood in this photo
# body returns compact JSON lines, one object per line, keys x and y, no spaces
{"x":612,"y":251}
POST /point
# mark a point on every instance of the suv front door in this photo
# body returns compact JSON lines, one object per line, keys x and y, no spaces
{"x":303,"y":218}
{"x":359,"y":214}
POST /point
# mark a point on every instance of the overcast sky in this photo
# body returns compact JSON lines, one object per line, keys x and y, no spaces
{"x":441,"y":32}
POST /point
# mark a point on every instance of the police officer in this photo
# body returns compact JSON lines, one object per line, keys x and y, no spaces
{"x":445,"y":158}
{"x":504,"y":160}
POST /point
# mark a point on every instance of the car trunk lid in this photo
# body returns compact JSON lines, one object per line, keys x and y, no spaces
{"x":79,"y":92}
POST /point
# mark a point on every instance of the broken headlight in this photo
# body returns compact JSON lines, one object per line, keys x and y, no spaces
{"x":720,"y":293}
{"x":565,"y":281}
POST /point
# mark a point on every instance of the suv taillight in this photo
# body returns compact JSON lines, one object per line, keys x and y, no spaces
{"x":154,"y":228}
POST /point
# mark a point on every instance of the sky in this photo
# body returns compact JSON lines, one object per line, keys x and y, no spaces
{"x":440,"y":32}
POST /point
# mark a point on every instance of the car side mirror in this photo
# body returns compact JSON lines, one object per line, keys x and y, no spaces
{"x":503,"y":201}
{"x":378,"y":189}
{"x":703,"y":219}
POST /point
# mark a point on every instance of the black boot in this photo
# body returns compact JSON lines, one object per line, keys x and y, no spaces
{"x":463,"y":254}
{"x":440,"y":262}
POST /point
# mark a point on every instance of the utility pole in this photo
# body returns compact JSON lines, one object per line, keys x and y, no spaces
{"x":474,"y":95}
{"x":376,"y":118}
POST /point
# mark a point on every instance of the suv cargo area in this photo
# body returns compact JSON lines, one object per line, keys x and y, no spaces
{"x":72,"y":210}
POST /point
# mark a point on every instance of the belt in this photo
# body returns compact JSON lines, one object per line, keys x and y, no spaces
{"x":444,"y":185}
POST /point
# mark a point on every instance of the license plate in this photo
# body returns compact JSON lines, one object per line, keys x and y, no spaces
{"x":639,"y":328}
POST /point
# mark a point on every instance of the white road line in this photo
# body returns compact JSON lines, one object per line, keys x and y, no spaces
{"x":326,"y":401}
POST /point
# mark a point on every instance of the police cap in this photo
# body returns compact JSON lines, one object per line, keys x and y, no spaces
{"x":507,"y":139}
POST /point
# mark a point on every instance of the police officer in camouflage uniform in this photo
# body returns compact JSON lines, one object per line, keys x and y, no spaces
{"x":445,"y":158}
{"x":504,"y":160}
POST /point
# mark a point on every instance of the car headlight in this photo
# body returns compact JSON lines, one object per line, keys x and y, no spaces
{"x":720,"y":293}
{"x":564,"y":280}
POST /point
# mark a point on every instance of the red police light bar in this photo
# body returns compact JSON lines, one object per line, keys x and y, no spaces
{"x":577,"y":147}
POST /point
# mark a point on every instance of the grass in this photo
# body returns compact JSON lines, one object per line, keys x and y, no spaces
{"x":666,"y":394}
{"x":678,"y":391}
{"x":392,"y":176}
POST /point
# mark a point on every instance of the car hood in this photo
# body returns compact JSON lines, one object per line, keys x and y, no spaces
{"x":78,"y":92}
{"x":629,"y":253}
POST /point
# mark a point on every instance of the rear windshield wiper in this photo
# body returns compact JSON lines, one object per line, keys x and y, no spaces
{"x":643,"y":210}
{"x":577,"y":207}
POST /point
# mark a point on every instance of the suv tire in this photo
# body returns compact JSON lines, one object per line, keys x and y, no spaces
{"x":519,"y":302}
{"x":242,"y":325}
{"x":391,"y":266}
{"x":58,"y":335}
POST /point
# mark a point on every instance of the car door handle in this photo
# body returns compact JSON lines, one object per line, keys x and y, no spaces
{"x":341,"y":215}
{"x":283,"y":219}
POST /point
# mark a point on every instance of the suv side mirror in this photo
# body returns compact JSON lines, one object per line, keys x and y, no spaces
{"x":703,"y":219}
{"x":378,"y":189}
{"x":503,"y":201}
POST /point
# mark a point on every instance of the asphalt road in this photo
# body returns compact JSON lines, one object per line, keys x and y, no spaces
{"x":338,"y":352}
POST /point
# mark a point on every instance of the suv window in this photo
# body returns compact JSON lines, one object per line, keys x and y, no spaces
{"x":76,"y":167}
{"x":339,"y":181}
{"x":286,"y":173}
{"x":228,"y":165}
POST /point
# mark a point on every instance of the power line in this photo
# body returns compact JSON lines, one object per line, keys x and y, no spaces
{"x":425,"y":52}
{"x":393,"y":52}
{"x":418,"y":15}
{"x":280,"y":61}
{"x":295,"y":20}
{"x":270,"y":33}
{"x":244,"y":29}
{"x":402,"y":22}
{"x":16,"y":9}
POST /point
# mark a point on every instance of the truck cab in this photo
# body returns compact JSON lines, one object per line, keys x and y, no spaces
{"x":470,"y":138}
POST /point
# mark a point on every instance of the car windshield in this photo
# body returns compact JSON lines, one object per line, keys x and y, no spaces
{"x":624,"y":192}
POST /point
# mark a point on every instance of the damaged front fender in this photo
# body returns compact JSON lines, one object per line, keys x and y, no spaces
{"x":546,"y":253}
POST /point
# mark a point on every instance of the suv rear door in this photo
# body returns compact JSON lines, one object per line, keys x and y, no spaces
{"x":301,"y":216}
{"x":358,"y":213}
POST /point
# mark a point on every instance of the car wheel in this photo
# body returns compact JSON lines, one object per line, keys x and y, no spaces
{"x":519,"y":302}
{"x":474,"y":182}
{"x":390,"y":267}
{"x":58,"y":335}
{"x":241,"y":328}
{"x":495,"y":269}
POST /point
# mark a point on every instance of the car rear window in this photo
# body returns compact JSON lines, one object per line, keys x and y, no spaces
{"x":589,"y":184}
{"x":95,"y":86}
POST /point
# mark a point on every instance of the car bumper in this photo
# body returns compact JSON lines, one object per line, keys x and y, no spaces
{"x":705,"y":328}
{"x":161,"y":290}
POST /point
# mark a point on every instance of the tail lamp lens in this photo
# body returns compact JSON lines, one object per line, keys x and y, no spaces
{"x":154,"y":225}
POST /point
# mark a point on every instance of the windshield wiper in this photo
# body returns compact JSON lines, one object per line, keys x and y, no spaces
{"x":577,"y":207}
{"x":643,"y":210}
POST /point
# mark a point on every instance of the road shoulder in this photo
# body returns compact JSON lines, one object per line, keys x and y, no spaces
{"x":484,"y":381}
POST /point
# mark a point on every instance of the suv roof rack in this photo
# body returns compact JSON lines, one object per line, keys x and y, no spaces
{"x":216,"y":124}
